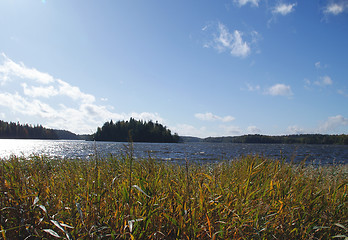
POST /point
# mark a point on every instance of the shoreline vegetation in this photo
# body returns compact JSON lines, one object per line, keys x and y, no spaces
{"x":120,"y":197}
{"x":341,"y":139}
{"x":14,"y":130}
{"x":140,"y":131}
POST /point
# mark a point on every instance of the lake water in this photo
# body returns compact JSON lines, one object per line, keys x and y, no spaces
{"x":177,"y":152}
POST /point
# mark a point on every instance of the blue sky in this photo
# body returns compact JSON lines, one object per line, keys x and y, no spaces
{"x":202,"y":68}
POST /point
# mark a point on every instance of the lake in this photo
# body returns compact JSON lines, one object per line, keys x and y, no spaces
{"x":175,"y":152}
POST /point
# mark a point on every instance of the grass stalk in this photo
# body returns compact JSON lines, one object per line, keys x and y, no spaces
{"x":252,"y":197}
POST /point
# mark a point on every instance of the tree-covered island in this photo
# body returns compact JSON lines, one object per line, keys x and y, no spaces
{"x":136,"y":131}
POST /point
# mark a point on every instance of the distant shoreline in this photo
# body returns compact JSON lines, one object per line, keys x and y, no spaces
{"x":326,"y":139}
{"x":321,"y":139}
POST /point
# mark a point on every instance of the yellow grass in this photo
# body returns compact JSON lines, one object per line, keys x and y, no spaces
{"x":122,"y":198}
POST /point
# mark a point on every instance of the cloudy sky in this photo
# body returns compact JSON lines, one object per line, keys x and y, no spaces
{"x":202,"y":68}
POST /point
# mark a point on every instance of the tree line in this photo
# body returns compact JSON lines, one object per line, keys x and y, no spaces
{"x":286,"y":139}
{"x":136,"y":131}
{"x":14,"y":130}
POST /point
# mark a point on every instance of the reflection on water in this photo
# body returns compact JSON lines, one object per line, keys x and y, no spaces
{"x":194,"y":152}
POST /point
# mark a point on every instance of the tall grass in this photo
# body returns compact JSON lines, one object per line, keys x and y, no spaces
{"x":125,"y":198}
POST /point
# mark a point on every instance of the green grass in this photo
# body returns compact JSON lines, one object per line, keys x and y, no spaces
{"x":122,"y":198}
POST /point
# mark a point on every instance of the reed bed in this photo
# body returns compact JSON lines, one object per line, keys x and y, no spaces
{"x":119,"y":197}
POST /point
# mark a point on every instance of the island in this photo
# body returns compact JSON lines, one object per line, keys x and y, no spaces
{"x":135,"y":131}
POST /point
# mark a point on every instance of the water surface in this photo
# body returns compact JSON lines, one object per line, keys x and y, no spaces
{"x":194,"y":152}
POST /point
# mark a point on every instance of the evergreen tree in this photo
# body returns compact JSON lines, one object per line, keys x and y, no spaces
{"x":136,"y":131}
{"x":17,"y":131}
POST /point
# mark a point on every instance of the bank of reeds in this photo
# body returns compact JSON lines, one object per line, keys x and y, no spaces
{"x":124,"y":198}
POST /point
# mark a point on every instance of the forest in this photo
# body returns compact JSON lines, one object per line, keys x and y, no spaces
{"x":14,"y":130}
{"x":286,"y":139}
{"x":136,"y":131}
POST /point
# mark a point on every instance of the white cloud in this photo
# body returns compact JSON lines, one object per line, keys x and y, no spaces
{"x":211,"y":117}
{"x":252,"y":88}
{"x":307,"y":83}
{"x":324,"y":81}
{"x":224,"y":40}
{"x":244,"y":2}
{"x":46,"y":92}
{"x":189,"y":130}
{"x":227,"y":119}
{"x":61,"y":88}
{"x":336,"y":8}
{"x":74,"y":92}
{"x":147,"y":116}
{"x":10,"y":68}
{"x":253,"y":130}
{"x":19,"y":104}
{"x":284,"y":9}
{"x":83,"y":119}
{"x":343,"y":93}
{"x":333,"y":123}
{"x":295,"y":130}
{"x":319,"y":65}
{"x":81,"y":115}
{"x":231,"y":130}
{"x":279,"y":90}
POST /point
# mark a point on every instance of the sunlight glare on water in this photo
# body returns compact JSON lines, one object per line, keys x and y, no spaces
{"x":174,"y":152}
{"x":60,"y":148}
{"x":17,"y":147}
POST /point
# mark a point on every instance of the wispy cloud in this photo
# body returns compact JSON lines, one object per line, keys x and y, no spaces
{"x":74,"y":92}
{"x":281,"y":9}
{"x":320,"y":65}
{"x":233,"y":42}
{"x":241,"y":3}
{"x":43,"y":97}
{"x":59,"y":87}
{"x":284,"y":8}
{"x":343,"y":93}
{"x":189,"y":130}
{"x":231,"y":130}
{"x":333,"y":123}
{"x":211,"y":117}
{"x":324,"y":81}
{"x":295,"y":130}
{"x":253,"y":130}
{"x":336,"y":8}
{"x":32,"y":107}
{"x":10,"y":68}
{"x":41,"y":91}
{"x":279,"y":90}
{"x":253,"y":88}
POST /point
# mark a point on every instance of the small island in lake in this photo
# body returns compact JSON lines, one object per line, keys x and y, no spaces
{"x":135,"y":131}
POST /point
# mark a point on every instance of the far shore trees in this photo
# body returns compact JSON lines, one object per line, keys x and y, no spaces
{"x":17,"y":131}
